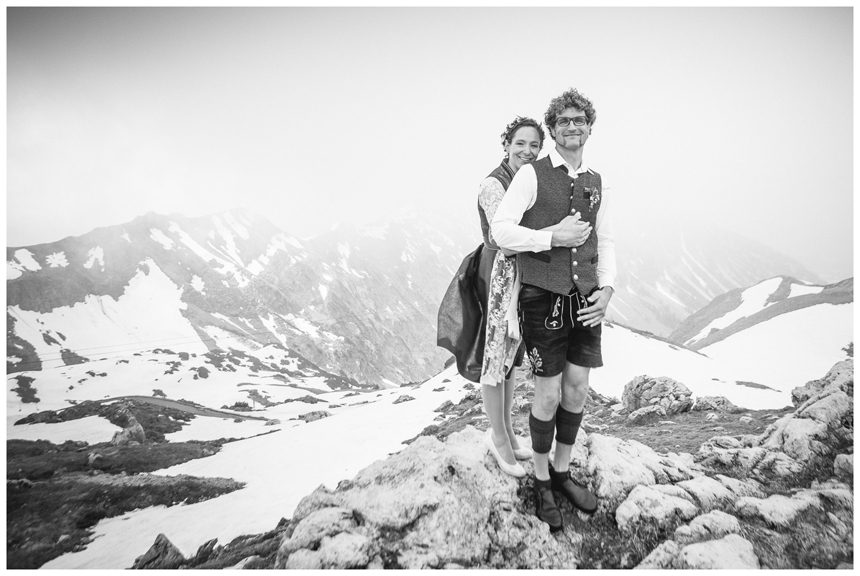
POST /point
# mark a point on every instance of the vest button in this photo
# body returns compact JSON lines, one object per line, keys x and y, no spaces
{"x":575,"y":277}
{"x":575,"y":263}
{"x":574,"y":250}
{"x":573,"y":210}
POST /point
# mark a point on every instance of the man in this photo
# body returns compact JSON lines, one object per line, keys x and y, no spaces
{"x":567,"y":282}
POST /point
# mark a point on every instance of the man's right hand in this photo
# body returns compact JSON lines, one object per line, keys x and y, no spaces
{"x":570,"y":232}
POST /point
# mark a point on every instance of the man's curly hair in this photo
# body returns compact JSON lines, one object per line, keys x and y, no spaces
{"x":520,"y":122}
{"x":569,"y":99}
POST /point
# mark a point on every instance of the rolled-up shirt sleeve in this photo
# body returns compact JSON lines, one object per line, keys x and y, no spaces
{"x":505,"y":226}
{"x":606,"y":267}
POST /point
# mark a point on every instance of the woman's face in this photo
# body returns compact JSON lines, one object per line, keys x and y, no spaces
{"x":523,"y":147}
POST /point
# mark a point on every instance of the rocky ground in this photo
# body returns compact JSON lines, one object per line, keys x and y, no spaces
{"x":682,"y":485}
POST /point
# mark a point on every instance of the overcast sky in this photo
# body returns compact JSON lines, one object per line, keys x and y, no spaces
{"x":316,"y":115}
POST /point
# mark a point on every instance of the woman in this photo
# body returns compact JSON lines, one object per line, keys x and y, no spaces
{"x":522,"y":140}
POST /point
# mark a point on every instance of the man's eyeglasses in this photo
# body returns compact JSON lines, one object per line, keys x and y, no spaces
{"x":563,"y":121}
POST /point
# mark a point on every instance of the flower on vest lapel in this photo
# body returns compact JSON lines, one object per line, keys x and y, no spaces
{"x":594,"y":196}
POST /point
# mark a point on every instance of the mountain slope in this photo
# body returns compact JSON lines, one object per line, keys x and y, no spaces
{"x":741,"y":309}
{"x":355,"y":302}
{"x":358,"y":302}
{"x":668,"y":270}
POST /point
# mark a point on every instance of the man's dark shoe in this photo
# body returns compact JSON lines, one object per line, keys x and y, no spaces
{"x":576,"y":494}
{"x":547,"y":510}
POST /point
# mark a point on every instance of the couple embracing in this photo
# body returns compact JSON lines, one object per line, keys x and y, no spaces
{"x":537,"y":291}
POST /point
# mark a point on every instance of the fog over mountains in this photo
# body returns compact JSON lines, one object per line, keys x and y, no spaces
{"x":357,"y":303}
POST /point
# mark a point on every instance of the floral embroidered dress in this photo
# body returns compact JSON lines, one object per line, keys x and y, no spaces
{"x":502,"y":340}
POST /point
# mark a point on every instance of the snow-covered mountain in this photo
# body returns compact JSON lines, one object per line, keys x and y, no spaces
{"x":775,"y":331}
{"x":359,"y":303}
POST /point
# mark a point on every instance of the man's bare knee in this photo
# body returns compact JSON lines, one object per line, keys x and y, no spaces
{"x":547,"y":396}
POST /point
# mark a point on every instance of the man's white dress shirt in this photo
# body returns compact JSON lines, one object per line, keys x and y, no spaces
{"x":521,"y":196}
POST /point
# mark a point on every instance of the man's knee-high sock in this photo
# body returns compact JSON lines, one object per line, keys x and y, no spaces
{"x":541,"y":433}
{"x":567,"y":425}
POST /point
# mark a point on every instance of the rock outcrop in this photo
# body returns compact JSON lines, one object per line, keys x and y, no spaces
{"x":433,"y":505}
{"x":163,"y":555}
{"x":715,"y":404}
{"x":645,"y":392}
{"x":132,"y":433}
{"x":821,"y":429}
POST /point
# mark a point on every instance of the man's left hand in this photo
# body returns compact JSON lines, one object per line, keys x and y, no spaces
{"x":593,"y":315}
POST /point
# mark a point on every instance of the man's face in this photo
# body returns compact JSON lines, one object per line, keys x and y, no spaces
{"x":572,"y":136}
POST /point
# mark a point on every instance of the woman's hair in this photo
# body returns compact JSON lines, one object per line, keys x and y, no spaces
{"x":569,"y":99}
{"x":520,"y":122}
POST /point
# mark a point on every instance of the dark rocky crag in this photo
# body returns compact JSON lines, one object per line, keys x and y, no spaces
{"x":779,"y":499}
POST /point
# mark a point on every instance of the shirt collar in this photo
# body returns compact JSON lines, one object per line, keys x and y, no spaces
{"x":557,"y":161}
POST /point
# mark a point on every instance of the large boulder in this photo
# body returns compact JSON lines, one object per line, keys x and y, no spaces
{"x":645,"y":391}
{"x":133,"y":432}
{"x":616,"y":466}
{"x":646,"y":415}
{"x":431,"y":505}
{"x":657,"y":504}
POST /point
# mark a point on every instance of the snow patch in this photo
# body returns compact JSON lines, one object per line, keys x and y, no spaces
{"x":13,"y":270}
{"x":801,"y":290}
{"x":57,"y":260}
{"x":92,"y":429}
{"x":26,"y":260}
{"x":230,"y":246}
{"x":271,"y":326}
{"x":753,"y":300}
{"x":303,"y":325}
{"x":292,"y":241}
{"x":323,"y":291}
{"x":791,"y":349}
{"x":159,"y":236}
{"x":234,"y":224}
{"x":95,"y":255}
{"x":198,"y":284}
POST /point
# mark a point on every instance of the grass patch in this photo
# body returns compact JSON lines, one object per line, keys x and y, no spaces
{"x":155,"y":420}
{"x":56,"y":493}
{"x":54,"y":517}
{"x":689,"y":429}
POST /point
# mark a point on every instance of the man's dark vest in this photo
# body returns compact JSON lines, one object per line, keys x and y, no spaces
{"x":503,"y":174}
{"x":558,"y":195}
